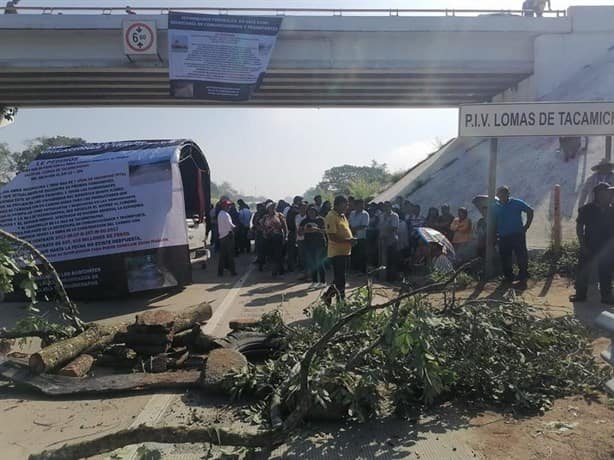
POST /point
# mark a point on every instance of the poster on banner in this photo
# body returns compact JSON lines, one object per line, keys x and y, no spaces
{"x":537,"y":119}
{"x":219,"y":57}
{"x":110,"y":217}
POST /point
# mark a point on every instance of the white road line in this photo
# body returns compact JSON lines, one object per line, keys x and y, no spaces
{"x":220,"y":311}
{"x":157,"y":405}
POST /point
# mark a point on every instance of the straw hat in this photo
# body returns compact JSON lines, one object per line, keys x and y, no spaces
{"x":603,"y":164}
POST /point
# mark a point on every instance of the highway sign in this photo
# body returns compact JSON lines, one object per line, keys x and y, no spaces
{"x":537,"y":119}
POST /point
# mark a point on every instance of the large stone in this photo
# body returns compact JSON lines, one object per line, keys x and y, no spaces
{"x":219,"y":363}
{"x":78,"y":367}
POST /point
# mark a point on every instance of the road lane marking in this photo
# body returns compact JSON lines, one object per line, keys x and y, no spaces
{"x":157,"y":405}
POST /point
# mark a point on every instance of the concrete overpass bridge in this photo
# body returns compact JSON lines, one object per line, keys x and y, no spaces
{"x":373,"y":58}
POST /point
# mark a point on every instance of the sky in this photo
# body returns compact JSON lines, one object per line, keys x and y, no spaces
{"x":272,"y":152}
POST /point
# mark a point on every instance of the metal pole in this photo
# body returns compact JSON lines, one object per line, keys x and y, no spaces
{"x":490,"y":226}
{"x":556,"y":228}
{"x":608,"y":148}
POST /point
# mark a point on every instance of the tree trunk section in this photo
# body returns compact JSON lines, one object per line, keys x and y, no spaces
{"x":60,"y":353}
{"x":168,"y":434}
{"x":191,"y":316}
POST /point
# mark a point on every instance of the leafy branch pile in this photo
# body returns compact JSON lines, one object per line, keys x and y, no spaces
{"x":412,"y":354}
{"x":552,"y":262}
{"x":354,"y":359}
{"x":21,"y":264}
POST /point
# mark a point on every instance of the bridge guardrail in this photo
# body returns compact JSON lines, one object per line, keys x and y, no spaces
{"x":278,"y":11}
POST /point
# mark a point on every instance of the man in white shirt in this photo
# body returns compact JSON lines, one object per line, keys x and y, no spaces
{"x":300,"y":237}
{"x":225,"y":229}
{"x":245,"y":220}
{"x":387,"y":239}
{"x":359,"y":222}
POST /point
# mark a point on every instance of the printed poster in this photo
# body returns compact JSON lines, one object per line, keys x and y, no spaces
{"x":110,"y":221}
{"x":219,"y":57}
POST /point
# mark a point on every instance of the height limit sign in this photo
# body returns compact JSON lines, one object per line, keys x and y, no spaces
{"x":140,"y":38}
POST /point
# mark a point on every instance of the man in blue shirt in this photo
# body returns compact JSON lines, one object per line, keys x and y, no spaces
{"x":512,"y":234}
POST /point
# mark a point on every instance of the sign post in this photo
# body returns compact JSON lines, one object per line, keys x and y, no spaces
{"x":531,"y":119}
{"x":490,"y":222}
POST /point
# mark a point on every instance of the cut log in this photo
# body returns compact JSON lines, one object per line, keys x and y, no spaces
{"x":219,"y":363}
{"x":59,"y":385}
{"x":97,"y":335}
{"x":59,"y":353}
{"x":151,"y":350}
{"x":78,"y":367}
{"x":195,"y":314}
{"x":161,"y":318}
{"x":115,"y":362}
{"x":119,"y":351}
{"x":186,"y":338}
{"x":133,"y":338}
{"x":177,"y":357}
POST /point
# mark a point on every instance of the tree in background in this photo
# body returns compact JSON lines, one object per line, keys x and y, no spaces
{"x":7,"y":113}
{"x":362,"y":189}
{"x":338,"y":180}
{"x":12,"y":163}
{"x":35,"y":147}
{"x":5,"y":164}
{"x":358,"y":181}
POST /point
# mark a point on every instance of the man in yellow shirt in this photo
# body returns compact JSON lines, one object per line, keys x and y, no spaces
{"x":340,"y":242}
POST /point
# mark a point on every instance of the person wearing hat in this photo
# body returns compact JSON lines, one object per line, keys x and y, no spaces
{"x":594,"y":227}
{"x":604,"y":172}
{"x":225,"y":229}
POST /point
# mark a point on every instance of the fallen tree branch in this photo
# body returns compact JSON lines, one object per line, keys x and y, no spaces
{"x":221,"y":436}
{"x":169,"y":434}
{"x":59,"y":385}
{"x":68,"y":310}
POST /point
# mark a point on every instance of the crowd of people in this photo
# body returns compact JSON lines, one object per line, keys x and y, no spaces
{"x":314,"y":237}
